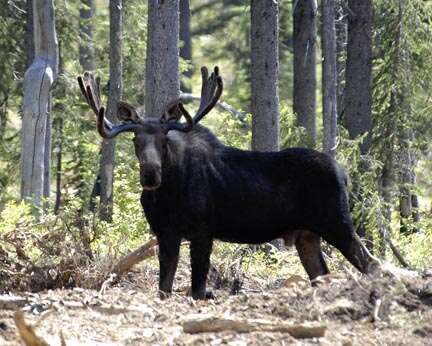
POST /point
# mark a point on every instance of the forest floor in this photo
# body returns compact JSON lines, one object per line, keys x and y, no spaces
{"x":389,"y":309}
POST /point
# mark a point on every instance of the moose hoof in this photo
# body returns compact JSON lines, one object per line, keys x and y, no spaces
{"x":164,"y":295}
{"x":203,"y":295}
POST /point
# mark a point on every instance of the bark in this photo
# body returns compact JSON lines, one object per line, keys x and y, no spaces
{"x":304,"y":43}
{"x":329,"y":76}
{"x":36,"y":125}
{"x":186,"y":47}
{"x":358,"y":74}
{"x":264,"y":75}
{"x":86,"y":48}
{"x":107,"y":159}
{"x":162,"y":71}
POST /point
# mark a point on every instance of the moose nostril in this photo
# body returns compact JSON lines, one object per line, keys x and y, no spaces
{"x":150,"y":178}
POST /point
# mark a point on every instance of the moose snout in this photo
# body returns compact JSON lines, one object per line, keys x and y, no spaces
{"x":150,"y":176}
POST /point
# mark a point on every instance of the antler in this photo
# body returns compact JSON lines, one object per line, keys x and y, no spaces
{"x":90,"y":88}
{"x":211,"y":90}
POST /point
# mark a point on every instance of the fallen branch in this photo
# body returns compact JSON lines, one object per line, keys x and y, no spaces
{"x":128,"y":261}
{"x":397,"y":253}
{"x":26,"y":332}
{"x":197,"y":324}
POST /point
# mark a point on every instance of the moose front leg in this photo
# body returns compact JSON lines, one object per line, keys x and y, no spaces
{"x":200,"y":250}
{"x":169,"y":248}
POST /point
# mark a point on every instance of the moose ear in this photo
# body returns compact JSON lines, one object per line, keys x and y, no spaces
{"x":127,"y":112}
{"x":172,"y":113}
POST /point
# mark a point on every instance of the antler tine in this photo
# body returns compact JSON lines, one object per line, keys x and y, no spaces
{"x":82,"y":88}
{"x":90,"y":88}
{"x":211,"y":90}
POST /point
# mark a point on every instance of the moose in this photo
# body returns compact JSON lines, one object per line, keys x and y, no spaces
{"x":196,"y":188}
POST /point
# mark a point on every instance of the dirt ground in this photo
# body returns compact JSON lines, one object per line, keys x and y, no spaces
{"x":388,"y":309}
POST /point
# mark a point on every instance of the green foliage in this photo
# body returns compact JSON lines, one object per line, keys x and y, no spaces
{"x":291,"y":135}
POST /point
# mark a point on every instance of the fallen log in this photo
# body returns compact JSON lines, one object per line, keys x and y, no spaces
{"x":207,"y":324}
{"x":140,"y":254}
{"x":8,"y":302}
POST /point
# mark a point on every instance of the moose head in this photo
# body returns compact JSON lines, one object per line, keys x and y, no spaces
{"x":150,"y":133}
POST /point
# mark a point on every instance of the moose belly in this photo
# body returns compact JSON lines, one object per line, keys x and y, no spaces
{"x":252,"y":225}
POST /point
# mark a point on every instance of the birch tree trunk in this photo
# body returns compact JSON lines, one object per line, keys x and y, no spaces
{"x":162,"y":62}
{"x":36,"y":126}
{"x":304,"y":42}
{"x":329,"y":76}
{"x":264,"y":75}
{"x":107,"y":160}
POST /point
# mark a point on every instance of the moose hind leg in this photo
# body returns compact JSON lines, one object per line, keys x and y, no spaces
{"x":200,"y":250}
{"x":343,"y":237}
{"x":309,"y":250}
{"x":355,"y":252}
{"x":169,"y":248}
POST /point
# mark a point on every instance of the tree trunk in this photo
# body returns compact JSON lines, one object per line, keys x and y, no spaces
{"x":264,"y":75}
{"x":358,"y":74}
{"x":304,"y":43}
{"x":60,"y":110}
{"x":107,"y":159}
{"x":36,"y":122}
{"x":86,"y":47}
{"x":186,"y":47}
{"x":329,"y":78}
{"x":162,"y":71}
{"x":59,"y":165}
{"x":341,"y":42}
{"x":406,"y":181}
{"x":30,"y":47}
{"x":357,"y":114}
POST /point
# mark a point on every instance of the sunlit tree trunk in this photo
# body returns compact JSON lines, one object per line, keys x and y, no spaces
{"x":329,"y":78}
{"x":162,"y":62}
{"x":36,"y":127}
